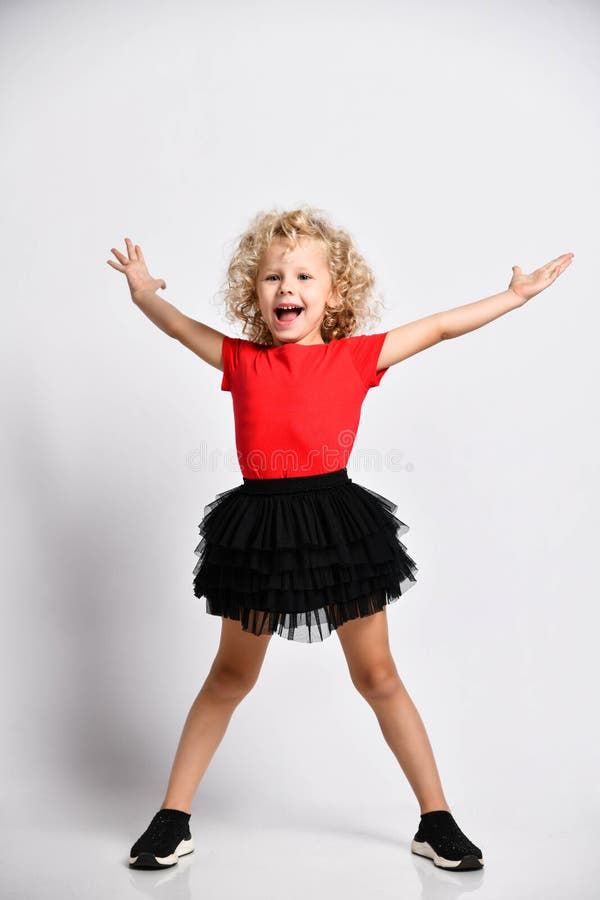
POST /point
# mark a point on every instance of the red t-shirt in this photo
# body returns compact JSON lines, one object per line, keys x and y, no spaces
{"x":297,"y":407}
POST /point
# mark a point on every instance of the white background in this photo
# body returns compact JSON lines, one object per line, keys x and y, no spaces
{"x":453,"y":140}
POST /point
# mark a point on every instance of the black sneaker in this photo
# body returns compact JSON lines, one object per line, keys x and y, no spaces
{"x":440,"y":839}
{"x":167,"y":838}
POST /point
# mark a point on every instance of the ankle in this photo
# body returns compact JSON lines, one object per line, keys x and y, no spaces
{"x":183,"y":807}
{"x":426,"y":809}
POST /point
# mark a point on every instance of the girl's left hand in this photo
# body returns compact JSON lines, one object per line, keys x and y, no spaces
{"x":527,"y":286}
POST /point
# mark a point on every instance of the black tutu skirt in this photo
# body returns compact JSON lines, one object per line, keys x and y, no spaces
{"x":300,"y":556}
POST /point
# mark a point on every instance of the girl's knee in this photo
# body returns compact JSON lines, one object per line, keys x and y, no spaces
{"x":378,"y":682}
{"x":227,"y":683}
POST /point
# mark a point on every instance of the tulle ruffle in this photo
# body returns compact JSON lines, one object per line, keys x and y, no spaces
{"x":300,"y":563}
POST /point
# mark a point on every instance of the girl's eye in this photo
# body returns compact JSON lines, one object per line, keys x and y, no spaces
{"x":304,"y":275}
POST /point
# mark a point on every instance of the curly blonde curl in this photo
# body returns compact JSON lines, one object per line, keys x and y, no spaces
{"x":351,"y":278}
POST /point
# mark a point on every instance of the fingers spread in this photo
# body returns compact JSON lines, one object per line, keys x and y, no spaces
{"x":130,"y":249}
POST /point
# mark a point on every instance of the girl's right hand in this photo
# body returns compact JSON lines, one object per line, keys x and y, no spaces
{"x":134,"y":268}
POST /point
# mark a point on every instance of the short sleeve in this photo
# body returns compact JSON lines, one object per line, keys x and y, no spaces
{"x":365,"y":350}
{"x":231,"y":353}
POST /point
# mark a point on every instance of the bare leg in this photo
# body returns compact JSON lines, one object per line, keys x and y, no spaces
{"x":233,"y":673}
{"x":373,"y":672}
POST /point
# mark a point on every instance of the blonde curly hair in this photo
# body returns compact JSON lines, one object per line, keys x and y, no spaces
{"x":351,"y":277}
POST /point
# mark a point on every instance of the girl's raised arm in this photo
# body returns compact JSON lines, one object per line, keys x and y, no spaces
{"x":204,"y":341}
{"x":409,"y":339}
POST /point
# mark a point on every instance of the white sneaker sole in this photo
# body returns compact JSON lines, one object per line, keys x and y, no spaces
{"x":149,"y":861}
{"x":470,"y":861}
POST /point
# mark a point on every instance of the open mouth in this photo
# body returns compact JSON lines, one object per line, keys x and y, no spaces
{"x":287,"y":313}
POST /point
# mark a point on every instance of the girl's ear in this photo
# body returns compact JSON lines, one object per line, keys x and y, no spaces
{"x":334,"y":297}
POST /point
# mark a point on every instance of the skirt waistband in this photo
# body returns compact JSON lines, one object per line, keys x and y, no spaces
{"x":295,"y":483}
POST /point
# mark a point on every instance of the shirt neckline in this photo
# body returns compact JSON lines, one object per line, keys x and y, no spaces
{"x":295,"y":344}
{"x":292,"y":344}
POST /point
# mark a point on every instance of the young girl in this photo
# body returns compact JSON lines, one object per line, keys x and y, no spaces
{"x":299,"y":549}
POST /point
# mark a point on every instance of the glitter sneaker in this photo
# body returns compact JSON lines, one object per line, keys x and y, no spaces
{"x":440,"y":839}
{"x":167,"y":838}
